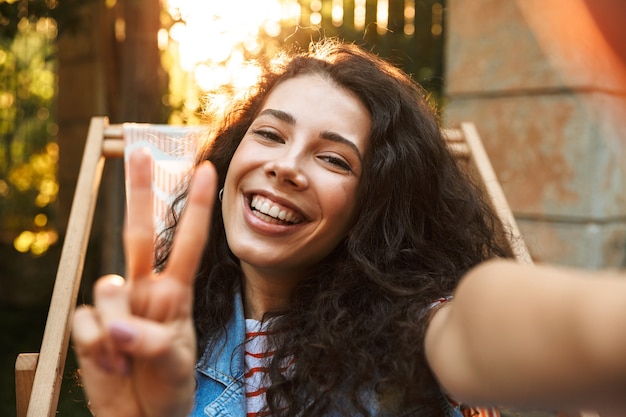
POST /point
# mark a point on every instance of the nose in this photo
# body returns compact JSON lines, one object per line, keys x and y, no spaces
{"x":287,"y":171}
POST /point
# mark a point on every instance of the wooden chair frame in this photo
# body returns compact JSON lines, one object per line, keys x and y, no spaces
{"x":39,"y":375}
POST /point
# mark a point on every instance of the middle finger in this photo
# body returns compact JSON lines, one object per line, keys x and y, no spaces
{"x":193,"y":229}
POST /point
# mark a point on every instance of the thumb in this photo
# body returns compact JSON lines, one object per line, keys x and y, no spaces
{"x":171,"y":347}
{"x":148,"y":339}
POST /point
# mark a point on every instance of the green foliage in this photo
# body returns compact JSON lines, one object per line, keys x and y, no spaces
{"x":28,"y":152}
{"x":63,"y":12}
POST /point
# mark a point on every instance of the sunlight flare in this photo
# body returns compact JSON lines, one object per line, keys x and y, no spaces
{"x":209,"y":41}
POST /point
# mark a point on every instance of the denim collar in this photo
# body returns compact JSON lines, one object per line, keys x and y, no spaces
{"x":225,"y":361}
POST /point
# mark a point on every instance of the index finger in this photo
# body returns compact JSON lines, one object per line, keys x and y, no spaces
{"x":139,"y":228}
{"x":193,"y":230}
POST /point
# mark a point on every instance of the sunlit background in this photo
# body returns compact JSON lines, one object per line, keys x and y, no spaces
{"x":203,"y":44}
{"x":206,"y":43}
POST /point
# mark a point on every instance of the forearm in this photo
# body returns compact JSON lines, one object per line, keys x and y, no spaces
{"x":533,"y":336}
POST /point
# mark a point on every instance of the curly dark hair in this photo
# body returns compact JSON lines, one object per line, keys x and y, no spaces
{"x":356,"y":322}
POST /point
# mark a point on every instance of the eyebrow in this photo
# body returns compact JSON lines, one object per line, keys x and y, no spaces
{"x":327,"y":135}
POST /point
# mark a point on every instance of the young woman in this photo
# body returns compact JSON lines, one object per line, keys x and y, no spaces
{"x":342,"y":229}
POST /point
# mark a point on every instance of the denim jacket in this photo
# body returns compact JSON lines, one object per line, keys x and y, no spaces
{"x":220,"y":372}
{"x":220,"y":375}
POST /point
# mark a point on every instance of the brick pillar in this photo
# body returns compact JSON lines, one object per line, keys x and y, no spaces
{"x":548,"y":95}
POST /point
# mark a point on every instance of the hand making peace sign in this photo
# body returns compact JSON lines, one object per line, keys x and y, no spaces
{"x":137,"y":345}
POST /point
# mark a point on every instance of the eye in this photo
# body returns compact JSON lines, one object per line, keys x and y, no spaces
{"x":269,"y":135}
{"x":337,"y":162}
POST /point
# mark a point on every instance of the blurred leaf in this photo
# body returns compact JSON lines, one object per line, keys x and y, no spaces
{"x":28,"y":152}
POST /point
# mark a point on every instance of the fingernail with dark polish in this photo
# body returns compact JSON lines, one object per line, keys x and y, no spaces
{"x":122,"y":333}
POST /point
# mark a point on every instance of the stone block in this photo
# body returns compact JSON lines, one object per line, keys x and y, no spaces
{"x":581,"y":245}
{"x":496,"y":46}
{"x":556,"y":156}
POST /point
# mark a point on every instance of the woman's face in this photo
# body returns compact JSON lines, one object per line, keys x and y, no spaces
{"x":291,"y":189}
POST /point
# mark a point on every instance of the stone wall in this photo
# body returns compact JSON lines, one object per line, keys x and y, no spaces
{"x":548,"y":96}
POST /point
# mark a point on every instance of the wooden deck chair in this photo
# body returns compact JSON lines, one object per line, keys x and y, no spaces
{"x":39,"y":375}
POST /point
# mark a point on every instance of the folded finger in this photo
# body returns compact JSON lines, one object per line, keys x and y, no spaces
{"x":97,"y":376}
{"x":139,"y":228}
{"x":193,"y":229}
{"x":111,"y":298}
{"x":111,"y":303}
{"x":87,"y":332}
{"x":91,"y":345}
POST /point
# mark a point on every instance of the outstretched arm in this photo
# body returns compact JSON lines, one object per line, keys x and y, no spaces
{"x":136,"y":346}
{"x":533,"y":336}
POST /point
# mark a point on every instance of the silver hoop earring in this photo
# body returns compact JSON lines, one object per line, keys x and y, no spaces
{"x":220,"y":195}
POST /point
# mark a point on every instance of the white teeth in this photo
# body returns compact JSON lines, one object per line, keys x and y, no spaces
{"x":267,"y":208}
{"x":274,"y":211}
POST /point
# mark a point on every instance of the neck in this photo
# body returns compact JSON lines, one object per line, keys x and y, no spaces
{"x":263,"y":293}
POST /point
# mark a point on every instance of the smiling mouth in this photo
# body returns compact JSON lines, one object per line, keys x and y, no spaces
{"x":269,"y":211}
